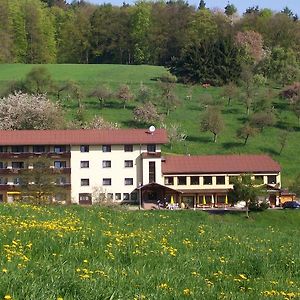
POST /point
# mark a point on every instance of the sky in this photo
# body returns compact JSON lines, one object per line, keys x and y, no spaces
{"x":276,"y":5}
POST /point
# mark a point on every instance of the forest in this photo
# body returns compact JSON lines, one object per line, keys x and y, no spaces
{"x":155,"y":33}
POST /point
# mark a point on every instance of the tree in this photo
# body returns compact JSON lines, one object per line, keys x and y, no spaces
{"x":253,"y":43}
{"x":38,"y":80}
{"x":124,"y":93}
{"x":295,"y":186}
{"x":262,"y":119}
{"x":245,"y":132}
{"x":23,"y":111}
{"x":212,"y":121}
{"x":102,"y":93}
{"x":230,"y":91}
{"x":170,"y":101}
{"x":202,"y":5}
{"x":248,"y":87}
{"x":175,"y":134}
{"x":230,"y":10}
{"x":98,"y":123}
{"x":146,"y":114}
{"x":213,"y":62}
{"x":288,"y":12}
{"x":144,"y":93}
{"x":283,"y":139}
{"x":41,"y":183}
{"x":296,"y":107}
{"x":244,"y":189}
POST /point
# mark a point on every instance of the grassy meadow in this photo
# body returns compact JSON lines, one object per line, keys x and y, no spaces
{"x":74,"y":252}
{"x":187,"y":113}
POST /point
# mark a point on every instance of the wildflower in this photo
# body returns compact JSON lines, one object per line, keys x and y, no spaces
{"x":7,"y":297}
{"x":242,"y":276}
{"x":85,"y":261}
{"x":4,"y":270}
{"x":187,"y":292}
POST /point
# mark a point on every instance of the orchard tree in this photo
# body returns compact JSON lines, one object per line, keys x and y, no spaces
{"x":99,"y":123}
{"x":175,"y":134}
{"x":23,"y":111}
{"x":124,"y":94}
{"x":262,"y":119}
{"x":38,"y":80}
{"x":212,"y":121}
{"x":246,"y":131}
{"x":230,"y":91}
{"x":144,"y":93}
{"x":146,"y":114}
{"x":102,"y":93}
{"x":282,"y":140}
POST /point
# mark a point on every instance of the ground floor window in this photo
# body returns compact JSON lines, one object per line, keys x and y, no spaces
{"x":169,"y":180}
{"x":133,"y":196}
{"x":194,"y":180}
{"x":181,"y":180}
{"x":207,"y":180}
{"x":117,"y":196}
{"x":272,"y":179}
{"x":220,"y":179}
{"x":85,"y":198}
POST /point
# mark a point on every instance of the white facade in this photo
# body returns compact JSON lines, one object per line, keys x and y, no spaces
{"x":112,"y":170}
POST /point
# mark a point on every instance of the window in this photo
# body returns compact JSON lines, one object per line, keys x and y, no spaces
{"x":110,"y":196}
{"x":59,"y":164}
{"x":17,"y":165}
{"x":38,"y":149}
{"x":61,"y":180}
{"x":85,"y":182}
{"x":3,"y":180}
{"x":59,"y":149}
{"x":3,"y":149}
{"x":152,"y":171}
{"x":84,"y":164}
{"x":128,"y":163}
{"x":126,"y":197}
{"x":207,"y":180}
{"x":272,"y":179}
{"x":106,"y":164}
{"x":169,"y":180}
{"x":194,"y":180}
{"x":117,"y":196}
{"x":181,"y":180}
{"x":17,"y":181}
{"x":106,"y":181}
{"x":259,"y":179}
{"x":84,"y":148}
{"x":17,"y":149}
{"x":106,"y":148}
{"x":220,"y":179}
{"x":133,"y":196}
{"x":1,"y":165}
{"x":85,"y":198}
{"x":151,"y":148}
{"x":128,"y":148}
{"x":128,"y":181}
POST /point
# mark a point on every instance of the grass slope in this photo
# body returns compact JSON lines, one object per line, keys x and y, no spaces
{"x":188,"y":113}
{"x":93,"y":253}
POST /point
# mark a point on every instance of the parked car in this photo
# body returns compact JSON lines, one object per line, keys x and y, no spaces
{"x":291,"y":204}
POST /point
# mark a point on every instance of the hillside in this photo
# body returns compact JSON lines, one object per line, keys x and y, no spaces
{"x":187,"y":113}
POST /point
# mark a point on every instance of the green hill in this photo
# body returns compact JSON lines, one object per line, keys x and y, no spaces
{"x":187,"y":114}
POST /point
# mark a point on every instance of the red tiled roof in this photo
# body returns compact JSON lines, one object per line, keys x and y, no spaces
{"x":209,"y":164}
{"x":82,"y":137}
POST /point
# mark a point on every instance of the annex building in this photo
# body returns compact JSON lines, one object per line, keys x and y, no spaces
{"x":124,"y":165}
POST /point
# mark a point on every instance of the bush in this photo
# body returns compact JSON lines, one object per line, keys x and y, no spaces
{"x":290,"y":91}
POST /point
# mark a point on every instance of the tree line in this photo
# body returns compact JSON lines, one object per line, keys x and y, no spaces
{"x":52,"y":31}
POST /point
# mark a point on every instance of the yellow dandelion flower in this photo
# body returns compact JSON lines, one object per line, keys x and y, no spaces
{"x":187,"y":292}
{"x":85,"y":261}
{"x":4,"y":270}
{"x":7,"y":297}
{"x":243,"y":276}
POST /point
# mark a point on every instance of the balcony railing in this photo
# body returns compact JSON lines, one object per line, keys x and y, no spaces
{"x":19,"y":155}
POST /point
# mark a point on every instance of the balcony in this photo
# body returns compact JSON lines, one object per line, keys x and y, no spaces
{"x":9,"y":187}
{"x":21,"y":155}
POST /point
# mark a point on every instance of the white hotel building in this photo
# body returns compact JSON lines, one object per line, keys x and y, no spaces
{"x":125,"y":165}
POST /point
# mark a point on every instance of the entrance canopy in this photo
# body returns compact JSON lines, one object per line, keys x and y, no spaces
{"x":156,"y":186}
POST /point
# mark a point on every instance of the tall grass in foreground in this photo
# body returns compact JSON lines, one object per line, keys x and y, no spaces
{"x":94,"y":253}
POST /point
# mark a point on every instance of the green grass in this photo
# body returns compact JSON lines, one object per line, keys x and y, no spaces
{"x":187,"y":114}
{"x":96,"y":253}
